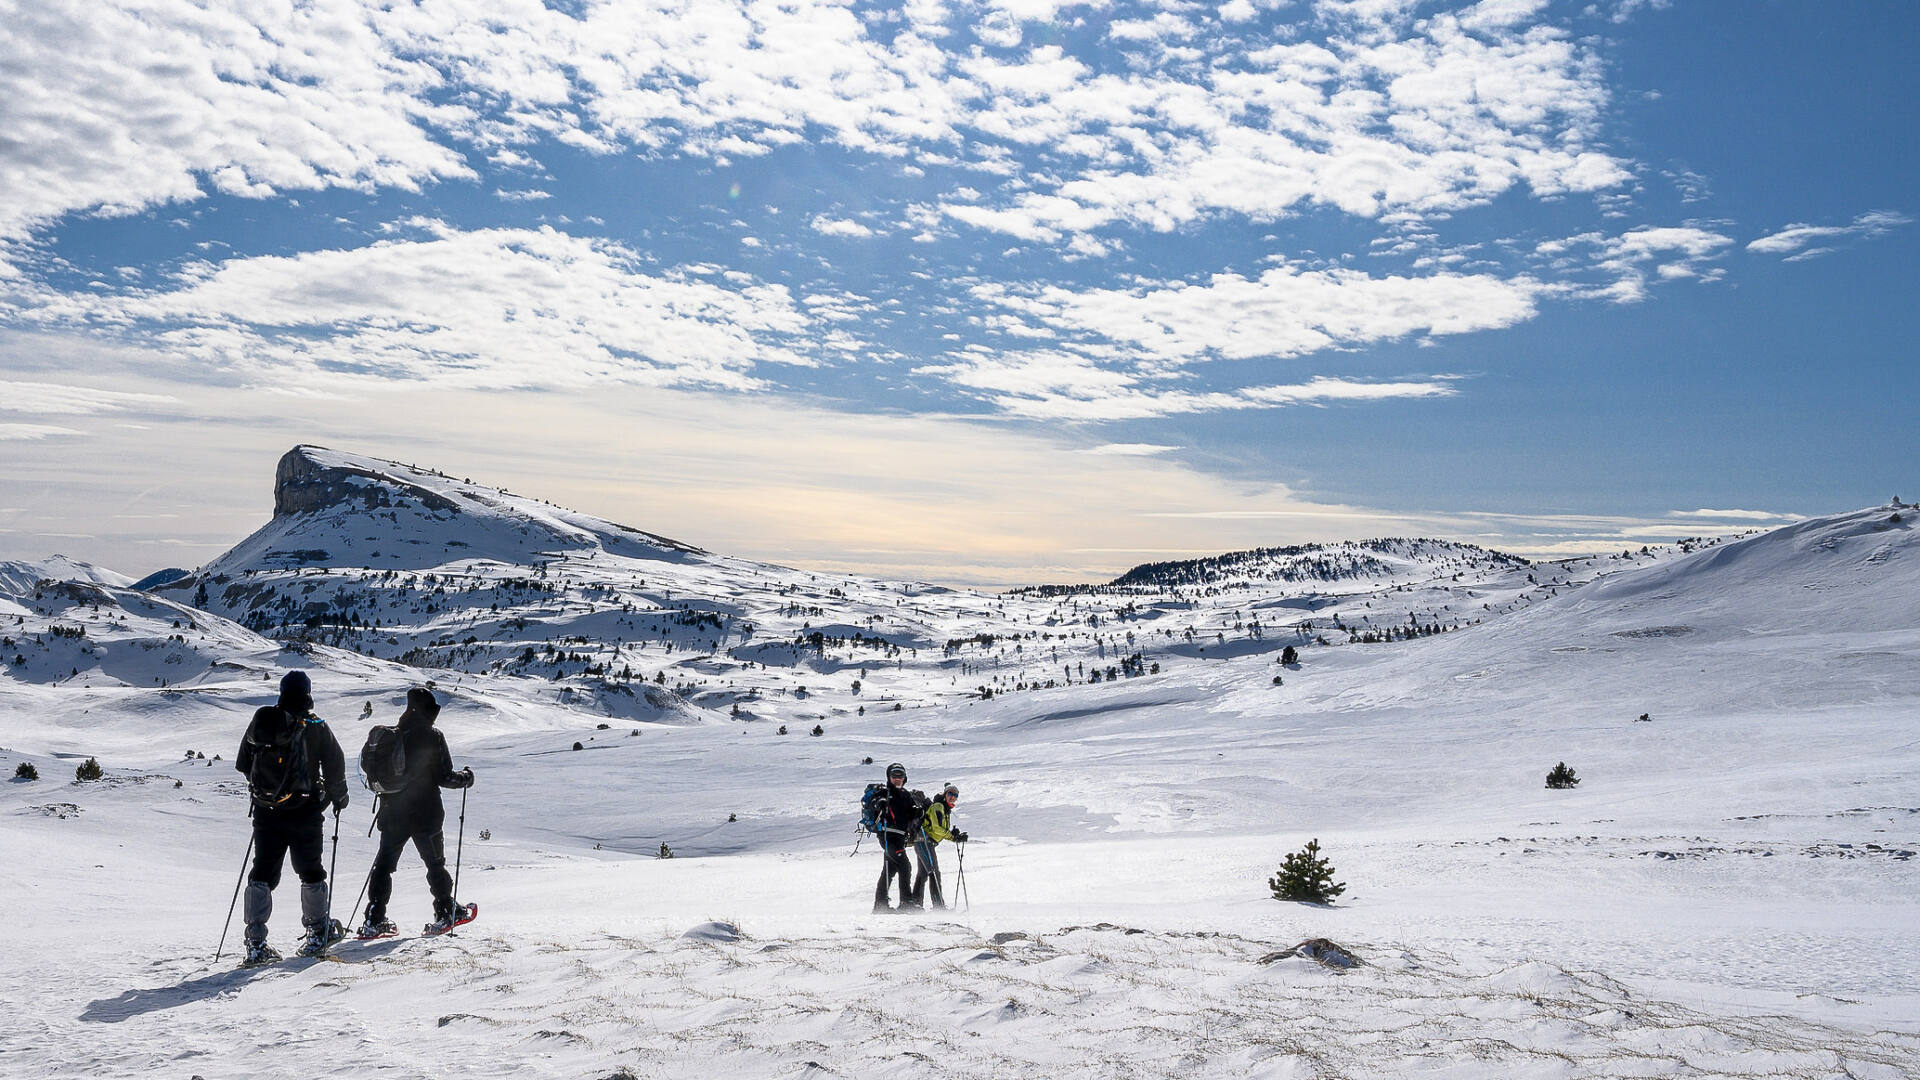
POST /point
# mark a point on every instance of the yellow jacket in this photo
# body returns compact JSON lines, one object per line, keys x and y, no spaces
{"x":937,"y":823}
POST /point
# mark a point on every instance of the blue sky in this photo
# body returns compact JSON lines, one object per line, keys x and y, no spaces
{"x":1038,"y":289}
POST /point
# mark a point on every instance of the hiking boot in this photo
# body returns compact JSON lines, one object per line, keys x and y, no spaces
{"x":459,"y":915}
{"x":321,"y":937}
{"x":882,"y":909}
{"x":260,"y":953}
{"x":377,"y":928}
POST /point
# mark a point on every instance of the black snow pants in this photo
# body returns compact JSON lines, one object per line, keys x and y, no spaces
{"x":893,"y":853}
{"x":432,"y":846}
{"x":301,"y":833}
{"x":929,"y":874}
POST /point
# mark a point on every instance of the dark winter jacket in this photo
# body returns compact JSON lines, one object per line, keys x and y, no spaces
{"x":899,"y":813}
{"x":416,"y":807}
{"x":325,"y":780}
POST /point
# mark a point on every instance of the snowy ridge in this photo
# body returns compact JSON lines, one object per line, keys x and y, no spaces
{"x":18,"y":579}
{"x":1379,"y":563}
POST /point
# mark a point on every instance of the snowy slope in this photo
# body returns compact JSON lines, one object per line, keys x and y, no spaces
{"x":1730,"y":891}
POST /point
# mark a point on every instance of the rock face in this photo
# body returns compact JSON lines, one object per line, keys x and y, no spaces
{"x":302,"y":485}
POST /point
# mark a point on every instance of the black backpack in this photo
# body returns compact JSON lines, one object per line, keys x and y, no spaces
{"x":281,"y":772}
{"x":383,"y":760}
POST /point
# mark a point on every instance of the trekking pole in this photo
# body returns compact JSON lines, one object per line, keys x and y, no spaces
{"x":235,"y":902}
{"x":376,"y":814}
{"x":459,"y":843}
{"x":961,"y":849}
{"x":332,"y":869}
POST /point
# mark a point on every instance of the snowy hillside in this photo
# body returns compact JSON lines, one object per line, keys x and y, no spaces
{"x":1730,"y":891}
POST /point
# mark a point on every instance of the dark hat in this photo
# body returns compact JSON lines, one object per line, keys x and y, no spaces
{"x":896,"y":769}
{"x":421,"y":703}
{"x":296,"y":693}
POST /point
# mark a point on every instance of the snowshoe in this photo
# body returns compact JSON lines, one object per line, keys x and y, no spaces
{"x":370,"y":930}
{"x":461,"y":915}
{"x":259,"y":954}
{"x":322,"y":938}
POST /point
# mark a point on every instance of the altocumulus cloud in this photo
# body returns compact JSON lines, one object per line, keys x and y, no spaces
{"x":490,"y":308}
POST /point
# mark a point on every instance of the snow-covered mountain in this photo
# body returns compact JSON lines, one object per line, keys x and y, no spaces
{"x":1729,"y":891}
{"x":413,"y":566}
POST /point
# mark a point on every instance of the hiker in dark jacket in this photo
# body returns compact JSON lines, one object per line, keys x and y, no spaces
{"x":294,"y":771}
{"x":414,"y":813}
{"x":936,"y":824}
{"x":899,"y":820}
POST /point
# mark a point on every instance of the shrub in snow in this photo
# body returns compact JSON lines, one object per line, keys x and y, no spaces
{"x":866,"y":761}
{"x":88,"y":770}
{"x":818,"y":730}
{"x":1278,"y":681}
{"x":1562,"y":777}
{"x":782,"y":731}
{"x":1646,"y":717}
{"x":665,"y":851}
{"x":578,"y":746}
{"x":1289,"y":655}
{"x":486,"y":834}
{"x":26,"y":771}
{"x":1306,"y":876}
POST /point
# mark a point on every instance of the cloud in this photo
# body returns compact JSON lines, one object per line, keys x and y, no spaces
{"x":59,"y":399}
{"x":527,"y":195}
{"x":1058,"y":385}
{"x":1445,"y":113}
{"x":33,"y":432}
{"x":119,"y":107}
{"x":485,"y":308}
{"x":1131,"y":449}
{"x":1672,"y":252}
{"x":1433,"y":114}
{"x":821,"y":223}
{"x":1284,"y":312}
{"x":1735,"y":515}
{"x":1794,"y":238}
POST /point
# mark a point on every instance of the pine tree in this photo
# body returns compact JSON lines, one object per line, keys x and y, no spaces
{"x":26,"y":771}
{"x":1562,"y":777}
{"x":1306,"y":876}
{"x":665,"y":851}
{"x":88,"y":770}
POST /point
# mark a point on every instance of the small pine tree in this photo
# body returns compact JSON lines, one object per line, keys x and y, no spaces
{"x":25,"y":771}
{"x":1562,"y":777}
{"x":818,"y":731}
{"x":1306,"y":876}
{"x":88,"y":770}
{"x":665,"y":851}
{"x":1289,"y":655}
{"x":782,"y":731}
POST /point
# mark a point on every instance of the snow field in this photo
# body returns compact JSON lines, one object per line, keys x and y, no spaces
{"x":1730,"y":892}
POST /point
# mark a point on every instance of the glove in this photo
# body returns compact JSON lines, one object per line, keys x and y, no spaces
{"x":339,"y":803}
{"x":959,"y":837}
{"x":466,"y":777}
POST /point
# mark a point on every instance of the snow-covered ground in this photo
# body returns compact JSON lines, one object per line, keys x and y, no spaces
{"x":1729,"y":892}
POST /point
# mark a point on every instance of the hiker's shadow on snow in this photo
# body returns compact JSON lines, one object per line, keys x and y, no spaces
{"x":132,"y":1003}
